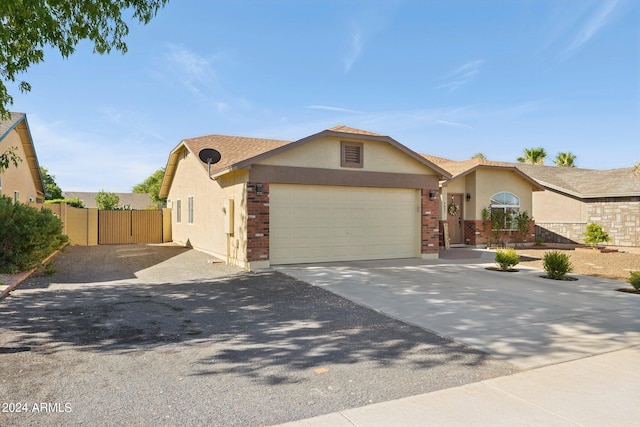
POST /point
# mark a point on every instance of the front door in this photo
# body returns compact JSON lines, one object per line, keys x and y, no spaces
{"x":454,"y":218}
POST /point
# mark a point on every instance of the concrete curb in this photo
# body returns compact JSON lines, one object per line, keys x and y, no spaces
{"x":21,"y":277}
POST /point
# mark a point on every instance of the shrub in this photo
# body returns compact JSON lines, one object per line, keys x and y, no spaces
{"x":539,"y":241}
{"x":507,"y":258}
{"x":556,"y":264}
{"x":523,"y":224}
{"x":74,"y":202}
{"x":594,"y":235}
{"x":635,"y":280}
{"x":107,"y":201}
{"x":27,"y":235}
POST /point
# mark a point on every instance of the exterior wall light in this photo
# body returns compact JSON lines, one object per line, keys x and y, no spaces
{"x":432,"y":194}
{"x":468,"y":196}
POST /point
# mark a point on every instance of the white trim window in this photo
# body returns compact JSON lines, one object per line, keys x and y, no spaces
{"x":178,"y":211}
{"x":190,"y":210}
{"x":505,"y":207}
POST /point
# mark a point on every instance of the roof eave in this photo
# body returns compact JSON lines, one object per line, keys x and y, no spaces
{"x":170,"y":169}
{"x":331,"y":133}
{"x":30,"y":151}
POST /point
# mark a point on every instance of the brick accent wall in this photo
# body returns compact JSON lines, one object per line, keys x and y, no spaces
{"x":475,"y":234}
{"x":257,"y":223}
{"x":429,"y":223}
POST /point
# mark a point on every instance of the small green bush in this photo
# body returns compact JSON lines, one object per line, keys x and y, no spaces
{"x":27,"y":235}
{"x":107,"y":201}
{"x":539,"y":241}
{"x":635,"y":280}
{"x":595,"y":234}
{"x":74,"y":202}
{"x":507,"y":258}
{"x":556,"y":264}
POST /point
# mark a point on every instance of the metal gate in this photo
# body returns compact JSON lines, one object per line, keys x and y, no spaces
{"x":123,"y":227}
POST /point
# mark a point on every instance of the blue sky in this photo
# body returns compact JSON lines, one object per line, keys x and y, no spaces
{"x":448,"y":78}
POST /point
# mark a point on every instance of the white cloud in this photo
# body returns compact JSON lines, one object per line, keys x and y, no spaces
{"x":335,"y":109}
{"x":90,"y":160}
{"x":591,"y":25}
{"x":454,"y":124}
{"x":355,"y":48}
{"x":461,"y":75}
{"x":194,"y":71}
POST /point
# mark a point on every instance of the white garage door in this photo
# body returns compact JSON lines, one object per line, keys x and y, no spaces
{"x":322,"y":223}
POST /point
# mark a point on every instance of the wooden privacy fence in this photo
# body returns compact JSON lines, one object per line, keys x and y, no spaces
{"x":118,"y":227}
{"x":89,"y":227}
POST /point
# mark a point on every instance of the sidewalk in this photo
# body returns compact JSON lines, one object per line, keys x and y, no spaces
{"x":600,"y":390}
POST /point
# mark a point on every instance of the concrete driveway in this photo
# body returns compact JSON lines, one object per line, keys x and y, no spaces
{"x":521,"y":317}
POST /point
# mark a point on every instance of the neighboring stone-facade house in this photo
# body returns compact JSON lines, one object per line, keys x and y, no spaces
{"x":136,"y":201}
{"x":24,"y":182}
{"x":575,"y":197}
{"x":478,"y":184}
{"x":340,"y":194}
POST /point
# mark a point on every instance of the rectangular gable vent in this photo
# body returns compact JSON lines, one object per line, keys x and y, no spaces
{"x":351,"y":155}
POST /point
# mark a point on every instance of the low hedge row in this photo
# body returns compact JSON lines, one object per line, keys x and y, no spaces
{"x":27,"y":235}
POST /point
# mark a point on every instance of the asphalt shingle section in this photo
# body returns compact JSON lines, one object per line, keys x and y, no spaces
{"x":5,"y":125}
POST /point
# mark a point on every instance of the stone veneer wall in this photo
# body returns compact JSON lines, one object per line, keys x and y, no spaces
{"x":619,"y":217}
{"x":257,"y":223}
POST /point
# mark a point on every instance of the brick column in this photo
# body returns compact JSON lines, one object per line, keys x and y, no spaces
{"x":257,"y":223}
{"x":429,"y":224}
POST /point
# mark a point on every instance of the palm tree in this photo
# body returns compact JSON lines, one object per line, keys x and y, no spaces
{"x":534,"y":156}
{"x":565,"y":159}
{"x":479,"y":156}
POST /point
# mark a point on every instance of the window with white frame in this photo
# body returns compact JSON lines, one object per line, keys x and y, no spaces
{"x":190,"y":210}
{"x":178,"y":211}
{"x":505,"y":207}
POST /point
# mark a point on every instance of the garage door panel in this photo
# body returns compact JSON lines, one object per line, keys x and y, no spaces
{"x":323,"y":223}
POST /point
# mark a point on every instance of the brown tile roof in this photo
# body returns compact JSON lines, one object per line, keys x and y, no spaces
{"x":457,"y":168}
{"x":239,"y":152}
{"x":233,"y":149}
{"x":347,"y":129}
{"x":585,"y":183}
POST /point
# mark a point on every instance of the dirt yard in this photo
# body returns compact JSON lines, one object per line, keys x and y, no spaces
{"x":614,"y":265}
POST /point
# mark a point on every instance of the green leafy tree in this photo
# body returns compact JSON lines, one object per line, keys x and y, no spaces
{"x":595,"y":235}
{"x":51,"y":189}
{"x":534,"y":156}
{"x":107,"y":201}
{"x":151,"y":186}
{"x":636,"y":169}
{"x":28,"y":28}
{"x":10,"y":156}
{"x":479,"y":156}
{"x":565,"y":159}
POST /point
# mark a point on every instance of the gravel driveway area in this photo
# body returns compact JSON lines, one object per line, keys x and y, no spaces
{"x":146,"y":336}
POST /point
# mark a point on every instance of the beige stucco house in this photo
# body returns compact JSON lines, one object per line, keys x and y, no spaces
{"x":574,"y":197}
{"x":340,"y":194}
{"x":478,"y":184}
{"x":22,"y":183}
